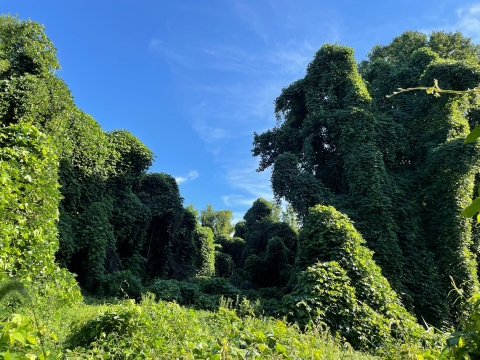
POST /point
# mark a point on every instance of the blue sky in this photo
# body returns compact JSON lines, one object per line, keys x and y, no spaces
{"x":194,"y":79}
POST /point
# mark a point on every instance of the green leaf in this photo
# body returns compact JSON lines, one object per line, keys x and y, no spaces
{"x":31,"y":340}
{"x":453,"y":341}
{"x":474,"y":134}
{"x":215,"y":357}
{"x":471,"y":209}
{"x":280,"y":348}
{"x":19,"y":336}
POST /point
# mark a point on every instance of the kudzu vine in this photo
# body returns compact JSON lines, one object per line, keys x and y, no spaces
{"x":396,"y":166}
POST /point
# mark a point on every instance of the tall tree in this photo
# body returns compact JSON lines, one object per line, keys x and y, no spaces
{"x":105,"y":211}
{"x":34,"y":104}
{"x":396,"y":166}
{"x":169,"y":247}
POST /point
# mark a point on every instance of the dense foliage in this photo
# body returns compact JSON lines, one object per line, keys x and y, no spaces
{"x":161,"y":330}
{"x":396,"y":166}
{"x":29,"y":206}
{"x":76,"y":199}
{"x":115,"y":222}
{"x":338,"y":283}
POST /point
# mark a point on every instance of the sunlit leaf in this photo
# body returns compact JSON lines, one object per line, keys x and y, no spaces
{"x":471,"y":209}
{"x":473,"y":135}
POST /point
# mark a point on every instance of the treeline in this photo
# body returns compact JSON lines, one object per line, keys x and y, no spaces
{"x":362,"y":172}
{"x":115,"y":221}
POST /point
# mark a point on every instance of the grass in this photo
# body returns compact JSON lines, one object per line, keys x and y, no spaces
{"x":165,"y":330}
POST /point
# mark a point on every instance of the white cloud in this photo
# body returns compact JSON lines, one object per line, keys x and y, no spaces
{"x":192,"y":175}
{"x":467,"y":21}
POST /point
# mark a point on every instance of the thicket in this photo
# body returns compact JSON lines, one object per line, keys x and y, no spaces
{"x":161,"y":330}
{"x":29,"y":200}
{"x":337,"y":282}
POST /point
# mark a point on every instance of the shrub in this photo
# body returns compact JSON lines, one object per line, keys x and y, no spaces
{"x":323,"y":294}
{"x":217,"y":286}
{"x":337,"y":282}
{"x":329,"y":235}
{"x":167,"y":290}
{"x":123,"y":283}
{"x":119,"y":320}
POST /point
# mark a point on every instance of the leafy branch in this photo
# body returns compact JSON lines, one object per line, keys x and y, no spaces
{"x":436,"y":90}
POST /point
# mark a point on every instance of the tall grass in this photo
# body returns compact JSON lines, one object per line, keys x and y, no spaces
{"x":165,"y":330}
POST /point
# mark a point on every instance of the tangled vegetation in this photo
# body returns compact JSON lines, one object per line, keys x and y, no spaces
{"x":396,"y":166}
{"x":367,"y":264}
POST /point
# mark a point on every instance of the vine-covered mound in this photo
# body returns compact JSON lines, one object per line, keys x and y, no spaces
{"x":336,"y":282}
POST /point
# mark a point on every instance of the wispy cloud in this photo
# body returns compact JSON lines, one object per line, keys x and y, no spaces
{"x":465,"y":19}
{"x":249,"y":184}
{"x":231,"y":85}
{"x":469,"y":21}
{"x":293,"y":58}
{"x":172,"y":57}
{"x":252,"y":18}
{"x":252,"y":182}
{"x":229,"y":110}
{"x":208,"y":133}
{"x":237,"y":200}
{"x":286,"y":58}
{"x":192,"y":175}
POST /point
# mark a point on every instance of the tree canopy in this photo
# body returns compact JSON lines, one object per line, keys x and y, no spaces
{"x":396,"y":166}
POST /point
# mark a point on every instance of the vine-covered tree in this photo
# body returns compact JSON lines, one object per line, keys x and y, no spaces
{"x":108,"y":215}
{"x":33,"y":102}
{"x":205,"y":251}
{"x":269,"y":247}
{"x":396,"y":166}
{"x":169,"y":247}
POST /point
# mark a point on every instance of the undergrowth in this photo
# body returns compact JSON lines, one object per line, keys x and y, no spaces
{"x":36,"y":328}
{"x":165,"y":330}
